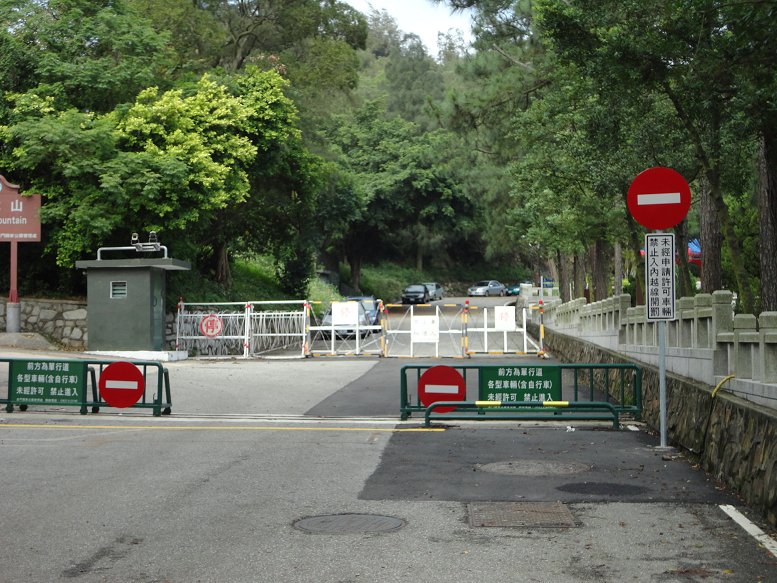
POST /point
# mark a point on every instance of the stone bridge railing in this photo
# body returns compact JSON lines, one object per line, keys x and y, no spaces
{"x":706,"y":342}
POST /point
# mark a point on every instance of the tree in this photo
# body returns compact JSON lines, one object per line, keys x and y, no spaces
{"x":683,"y":51}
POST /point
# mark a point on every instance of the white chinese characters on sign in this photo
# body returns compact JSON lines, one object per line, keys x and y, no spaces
{"x":659,"y":272}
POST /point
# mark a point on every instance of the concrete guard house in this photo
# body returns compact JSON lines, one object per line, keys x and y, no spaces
{"x":126,"y":300}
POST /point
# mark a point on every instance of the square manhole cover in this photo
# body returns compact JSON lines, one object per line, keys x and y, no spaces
{"x":520,"y":514}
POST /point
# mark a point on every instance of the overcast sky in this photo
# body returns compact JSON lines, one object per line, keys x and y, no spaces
{"x":419,"y":16}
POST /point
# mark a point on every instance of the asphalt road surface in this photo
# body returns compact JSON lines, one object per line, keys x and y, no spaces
{"x":301,"y":471}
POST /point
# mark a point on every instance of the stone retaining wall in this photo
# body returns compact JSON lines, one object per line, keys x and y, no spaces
{"x":62,"y":320}
{"x":735,"y":439}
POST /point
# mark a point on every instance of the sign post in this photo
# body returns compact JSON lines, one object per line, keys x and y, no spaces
{"x":659,"y":198}
{"x":19,"y":221}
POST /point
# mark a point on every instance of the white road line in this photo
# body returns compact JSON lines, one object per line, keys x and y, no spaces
{"x":658,"y":198}
{"x":750,"y":528}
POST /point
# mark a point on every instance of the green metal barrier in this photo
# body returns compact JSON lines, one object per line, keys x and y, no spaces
{"x":522,"y":389}
{"x":65,"y":383}
{"x":549,"y":408}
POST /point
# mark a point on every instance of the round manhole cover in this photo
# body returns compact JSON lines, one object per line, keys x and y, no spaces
{"x":348,"y":524}
{"x":534,"y":468}
{"x":603,"y":489}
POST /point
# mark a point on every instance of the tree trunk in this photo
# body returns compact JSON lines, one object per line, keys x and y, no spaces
{"x":637,"y":241}
{"x":711,"y":169}
{"x":710,"y":240}
{"x":564,"y":273}
{"x":580,"y":275}
{"x":767,"y":186}
{"x":419,"y":256}
{"x":356,"y":271}
{"x":223,"y":271}
{"x":683,"y":272}
{"x":601,"y":278}
{"x":618,"y":269}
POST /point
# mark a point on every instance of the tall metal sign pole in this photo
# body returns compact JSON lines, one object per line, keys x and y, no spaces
{"x":659,"y":198}
{"x":19,"y":221}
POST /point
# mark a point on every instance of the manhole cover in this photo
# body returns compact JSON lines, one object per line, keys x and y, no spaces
{"x":518,"y":514}
{"x":534,"y":468}
{"x":603,"y":489}
{"x":348,"y":524}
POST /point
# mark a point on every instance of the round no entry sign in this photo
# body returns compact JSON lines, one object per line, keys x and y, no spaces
{"x":121,"y":384}
{"x":659,"y":198}
{"x":441,"y":383}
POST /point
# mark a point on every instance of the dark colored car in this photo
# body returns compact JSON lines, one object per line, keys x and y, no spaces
{"x":370,"y":308}
{"x":416,"y":293}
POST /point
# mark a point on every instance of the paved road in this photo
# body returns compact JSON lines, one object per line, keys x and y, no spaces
{"x":212,"y":493}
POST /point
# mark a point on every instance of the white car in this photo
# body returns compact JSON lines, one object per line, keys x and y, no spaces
{"x":487,"y":287}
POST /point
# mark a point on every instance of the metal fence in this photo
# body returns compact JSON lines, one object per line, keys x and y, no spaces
{"x":499,"y":330}
{"x":424,"y":330}
{"x":244,"y":329}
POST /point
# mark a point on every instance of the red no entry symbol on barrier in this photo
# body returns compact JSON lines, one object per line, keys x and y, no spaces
{"x":121,"y":384}
{"x":441,"y":383}
{"x":211,"y":326}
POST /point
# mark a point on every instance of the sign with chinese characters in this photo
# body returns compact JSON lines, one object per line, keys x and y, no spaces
{"x":19,"y":220}
{"x":504,"y":318}
{"x":520,"y":383}
{"x":42,"y":382}
{"x":211,"y":326}
{"x":345,"y":313}
{"x":659,"y":276}
{"x":425,"y":329}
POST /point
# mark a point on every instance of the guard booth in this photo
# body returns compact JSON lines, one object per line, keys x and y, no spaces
{"x":126,"y":297}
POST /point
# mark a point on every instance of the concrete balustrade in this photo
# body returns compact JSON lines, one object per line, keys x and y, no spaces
{"x":706,"y":342}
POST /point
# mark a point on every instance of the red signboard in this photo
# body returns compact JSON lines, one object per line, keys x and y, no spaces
{"x":659,"y":198}
{"x":19,"y":220}
{"x":121,"y":384}
{"x":211,"y":326}
{"x":441,"y":383}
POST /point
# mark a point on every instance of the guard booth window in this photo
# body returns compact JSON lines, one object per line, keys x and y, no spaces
{"x":118,"y":289}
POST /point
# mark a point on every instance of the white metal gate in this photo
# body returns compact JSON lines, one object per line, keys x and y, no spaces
{"x":425,"y":330}
{"x":499,"y":330}
{"x":245,"y":329}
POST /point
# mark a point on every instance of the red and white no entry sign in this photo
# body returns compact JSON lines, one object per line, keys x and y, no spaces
{"x":659,"y":198}
{"x":121,"y":384}
{"x":441,"y":383}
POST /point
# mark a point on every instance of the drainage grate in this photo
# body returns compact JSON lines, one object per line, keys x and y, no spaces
{"x":348,"y":524}
{"x":520,"y":514}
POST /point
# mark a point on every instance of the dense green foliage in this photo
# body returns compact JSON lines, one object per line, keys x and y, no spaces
{"x":306,"y":131}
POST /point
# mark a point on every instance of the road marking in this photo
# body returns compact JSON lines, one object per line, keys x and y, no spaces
{"x":133,"y":385}
{"x":750,"y":528}
{"x":447,"y":389}
{"x":392,"y":430}
{"x":659,"y":198}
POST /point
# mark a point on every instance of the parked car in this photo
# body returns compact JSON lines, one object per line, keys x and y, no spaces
{"x":415,"y":293}
{"x":435,"y":291}
{"x":487,"y":287}
{"x":346,"y":332}
{"x":513,"y":290}
{"x":370,"y":308}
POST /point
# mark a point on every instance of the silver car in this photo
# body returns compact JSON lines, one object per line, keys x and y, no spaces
{"x":435,"y":291}
{"x":487,"y":287}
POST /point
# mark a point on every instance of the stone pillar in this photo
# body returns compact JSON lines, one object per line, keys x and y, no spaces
{"x":13,"y":322}
{"x":744,"y":338}
{"x":767,"y":355}
{"x":702,"y":317}
{"x":722,"y":322}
